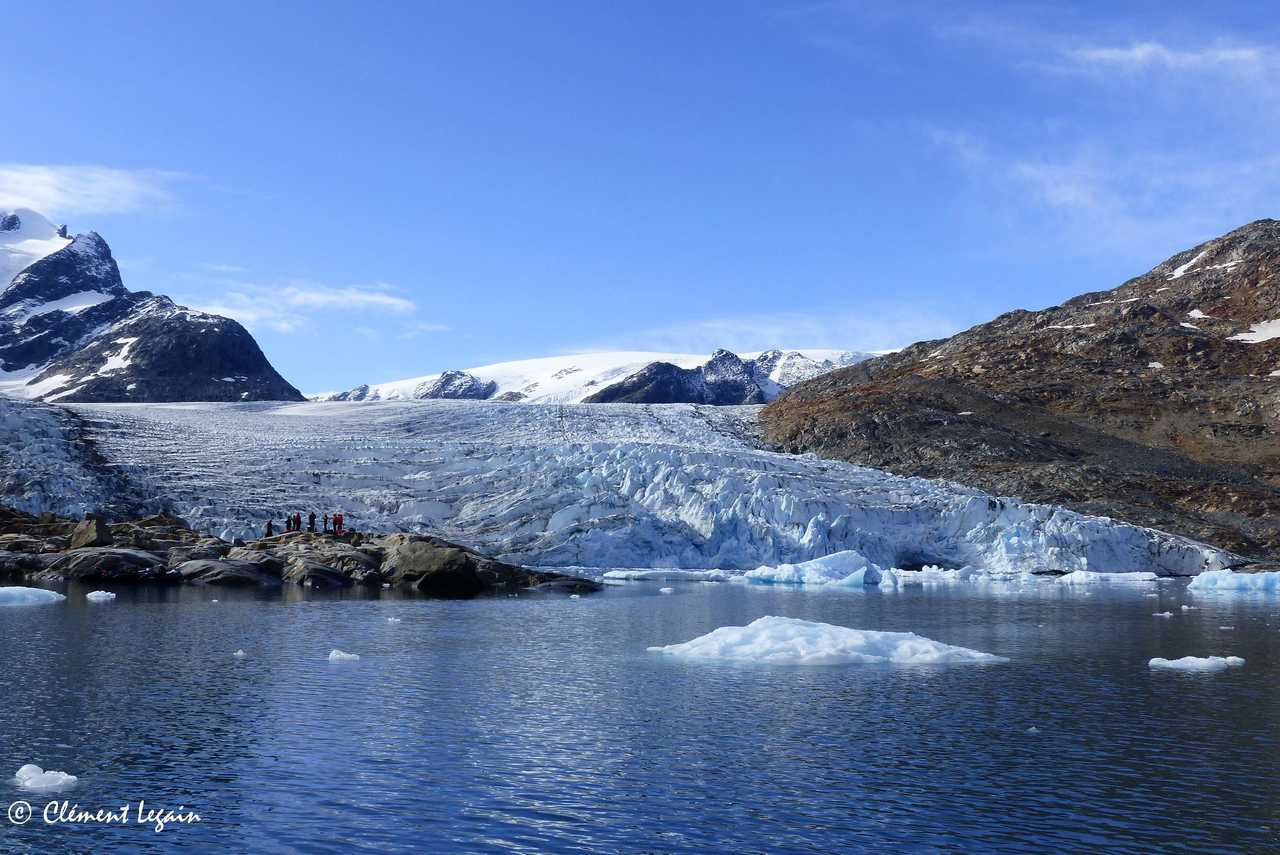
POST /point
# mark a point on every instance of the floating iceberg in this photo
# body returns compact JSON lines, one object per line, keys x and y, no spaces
{"x":1162,"y":614}
{"x":336,"y":655}
{"x":32,"y":777}
{"x":847,"y":568}
{"x":100,"y":596}
{"x":393,"y":620}
{"x":1197,"y":663}
{"x":666,"y":590}
{"x":667,"y":575}
{"x":1230,"y":580}
{"x":789,"y":641}
{"x":1088,"y":577}
{"x":18,"y":596}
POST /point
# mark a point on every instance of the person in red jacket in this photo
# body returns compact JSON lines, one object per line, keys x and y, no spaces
{"x":337,"y":523}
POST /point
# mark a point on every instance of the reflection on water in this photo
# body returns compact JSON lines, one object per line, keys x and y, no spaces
{"x":542,"y":725}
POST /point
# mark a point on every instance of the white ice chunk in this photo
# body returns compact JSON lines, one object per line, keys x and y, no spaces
{"x":32,"y":777}
{"x":666,"y":590}
{"x":19,"y":596}
{"x":393,"y":620}
{"x":1230,"y":580}
{"x":1162,"y":614}
{"x":789,"y":641}
{"x":662,"y":575}
{"x":848,"y":567}
{"x":99,"y":596}
{"x":1197,"y":663}
{"x":336,"y":655}
{"x":1089,"y":577}
{"x":239,"y":654}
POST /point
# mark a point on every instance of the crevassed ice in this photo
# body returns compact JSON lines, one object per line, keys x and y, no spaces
{"x":597,"y":486}
{"x":789,"y":641}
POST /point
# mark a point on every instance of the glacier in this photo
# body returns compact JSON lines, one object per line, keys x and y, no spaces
{"x":593,"y":486}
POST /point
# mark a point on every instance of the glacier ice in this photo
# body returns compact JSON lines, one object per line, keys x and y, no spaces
{"x":99,"y":596}
{"x":15,"y":595}
{"x":32,"y":777}
{"x":1230,"y":580}
{"x":599,"y":486}
{"x":336,"y":655}
{"x":790,"y":641}
{"x":1197,"y":663}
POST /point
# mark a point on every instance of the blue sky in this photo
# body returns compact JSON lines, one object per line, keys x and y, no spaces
{"x":382,"y":190}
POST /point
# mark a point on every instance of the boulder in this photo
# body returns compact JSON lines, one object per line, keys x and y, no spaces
{"x":271,"y":562}
{"x":18,"y":566}
{"x":108,"y":564}
{"x":21,"y":543}
{"x":441,"y":569}
{"x":307,"y":571}
{"x":228,"y":572}
{"x":566,"y":585}
{"x":93,"y":531}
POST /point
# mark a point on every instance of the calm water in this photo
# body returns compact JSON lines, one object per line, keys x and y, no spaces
{"x":543,"y":725}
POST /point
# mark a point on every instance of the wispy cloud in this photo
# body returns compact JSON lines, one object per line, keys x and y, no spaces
{"x":875,"y":328}
{"x":288,"y":306}
{"x":1153,"y":54}
{"x":61,"y":190}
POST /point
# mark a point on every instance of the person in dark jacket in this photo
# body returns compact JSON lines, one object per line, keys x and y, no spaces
{"x":326,"y":523}
{"x":311,"y":521}
{"x":270,"y":529}
{"x":297,"y":522}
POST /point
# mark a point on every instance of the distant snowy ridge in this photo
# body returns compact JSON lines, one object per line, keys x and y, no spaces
{"x":573,"y":379}
{"x":71,"y":331}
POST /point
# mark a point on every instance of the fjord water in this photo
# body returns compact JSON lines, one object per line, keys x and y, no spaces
{"x":544,"y":725}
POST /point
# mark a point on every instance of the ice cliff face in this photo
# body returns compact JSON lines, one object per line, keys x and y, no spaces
{"x":595,"y":486}
{"x":71,"y":331}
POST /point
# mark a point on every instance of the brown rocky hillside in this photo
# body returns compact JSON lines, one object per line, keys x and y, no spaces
{"x":1157,"y":402}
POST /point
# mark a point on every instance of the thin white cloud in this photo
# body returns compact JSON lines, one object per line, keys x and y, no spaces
{"x":60,"y":190}
{"x":417,"y":329}
{"x":289,"y":306}
{"x":1152,"y":54}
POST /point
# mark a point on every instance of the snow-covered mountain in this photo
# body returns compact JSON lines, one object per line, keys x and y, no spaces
{"x":619,"y":376}
{"x":71,"y":331}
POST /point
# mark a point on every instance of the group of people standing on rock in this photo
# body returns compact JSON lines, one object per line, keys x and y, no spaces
{"x":294,"y":523}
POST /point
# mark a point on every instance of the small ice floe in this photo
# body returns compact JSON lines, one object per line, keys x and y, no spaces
{"x":789,"y":641}
{"x":336,"y":655}
{"x":1033,"y":729}
{"x":1230,"y":580}
{"x":32,"y":777}
{"x":99,"y":596}
{"x":848,"y":568}
{"x":213,"y":601}
{"x":660,"y":575}
{"x":19,"y":596}
{"x":386,"y":584}
{"x":1197,"y":663}
{"x":1186,"y":608}
{"x":575,"y":596}
{"x":239,"y":654}
{"x":1226,"y":628}
{"x":666,"y":590}
{"x":393,"y":620}
{"x":1089,"y":577}
{"x":1163,"y":614}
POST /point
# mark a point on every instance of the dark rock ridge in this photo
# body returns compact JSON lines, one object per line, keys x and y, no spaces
{"x":160,"y":548}
{"x":68,"y":322}
{"x":1157,"y":402}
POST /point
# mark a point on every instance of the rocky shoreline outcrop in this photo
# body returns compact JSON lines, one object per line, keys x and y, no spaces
{"x":160,"y":549}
